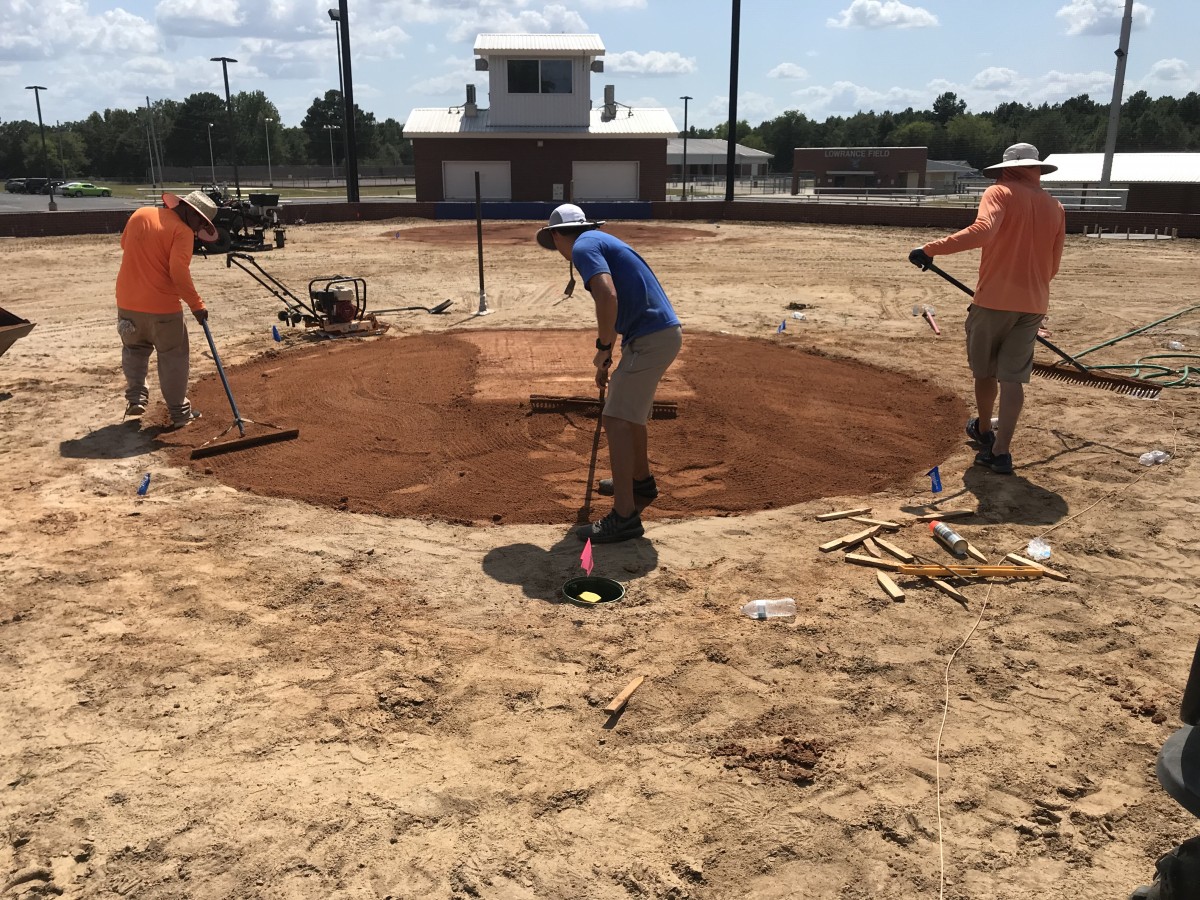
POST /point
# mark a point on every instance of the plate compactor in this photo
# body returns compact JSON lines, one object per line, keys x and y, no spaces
{"x":336,"y":305}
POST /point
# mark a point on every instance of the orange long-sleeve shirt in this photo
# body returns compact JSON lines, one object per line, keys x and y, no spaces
{"x":155,"y":269}
{"x":1021,"y":230}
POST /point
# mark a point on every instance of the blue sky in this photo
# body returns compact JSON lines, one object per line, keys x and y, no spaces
{"x":822,"y":57}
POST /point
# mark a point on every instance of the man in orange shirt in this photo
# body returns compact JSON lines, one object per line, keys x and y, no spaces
{"x":155,"y":275}
{"x":1021,"y":230}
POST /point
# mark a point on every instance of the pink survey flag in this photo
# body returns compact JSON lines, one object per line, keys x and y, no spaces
{"x":585,"y":558}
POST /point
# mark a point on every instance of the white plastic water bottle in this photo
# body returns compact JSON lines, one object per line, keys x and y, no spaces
{"x":1038,"y":549}
{"x":1154,"y":458}
{"x":770,"y":609}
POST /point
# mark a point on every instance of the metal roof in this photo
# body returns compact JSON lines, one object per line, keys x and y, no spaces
{"x":1127,"y":168}
{"x":441,"y":122}
{"x":565,"y":44}
{"x":697,"y":147}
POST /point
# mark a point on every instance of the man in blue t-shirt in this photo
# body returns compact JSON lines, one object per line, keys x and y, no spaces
{"x":629,"y":302}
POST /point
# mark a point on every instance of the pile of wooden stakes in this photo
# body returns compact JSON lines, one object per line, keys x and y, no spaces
{"x":890,"y":559}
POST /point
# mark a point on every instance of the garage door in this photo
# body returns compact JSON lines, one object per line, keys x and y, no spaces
{"x":495,"y":180}
{"x":605,"y":181}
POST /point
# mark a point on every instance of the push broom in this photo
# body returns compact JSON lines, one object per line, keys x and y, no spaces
{"x":1077,"y":373}
{"x":242,"y":442}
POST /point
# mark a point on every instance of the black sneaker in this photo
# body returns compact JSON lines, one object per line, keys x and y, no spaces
{"x":983,"y":439}
{"x":644,"y":488}
{"x":191,"y":417}
{"x":611,"y":529}
{"x":1000,"y":463}
{"x":135,"y":410}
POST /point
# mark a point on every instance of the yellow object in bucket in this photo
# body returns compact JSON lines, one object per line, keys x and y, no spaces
{"x":589,"y":596}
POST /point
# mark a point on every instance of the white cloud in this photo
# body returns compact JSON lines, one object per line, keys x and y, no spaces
{"x":995,"y":78}
{"x":551,"y":20}
{"x":882,"y":14}
{"x":1101,"y":16}
{"x":609,"y":5}
{"x":452,"y":83}
{"x":845,"y":98}
{"x":788,"y":70}
{"x":655,"y":62}
{"x":46,"y":31}
{"x":1171,"y":76}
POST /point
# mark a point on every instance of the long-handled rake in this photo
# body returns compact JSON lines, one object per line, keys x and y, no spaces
{"x":242,"y":442}
{"x":1078,"y":373}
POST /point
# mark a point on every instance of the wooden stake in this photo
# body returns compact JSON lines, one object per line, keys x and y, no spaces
{"x":619,"y":701}
{"x":975,"y":553}
{"x":874,"y":563}
{"x":902,"y":555}
{"x":843,"y":514}
{"x":873,"y":548}
{"x":960,"y":597}
{"x":853,"y":540}
{"x":967,"y":571}
{"x":892,"y":589}
{"x":946,"y":514}
{"x":882,"y":523}
{"x":1048,"y":572}
{"x":830,"y":546}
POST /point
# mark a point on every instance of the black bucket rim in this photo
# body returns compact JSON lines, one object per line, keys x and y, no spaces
{"x":575,"y":586}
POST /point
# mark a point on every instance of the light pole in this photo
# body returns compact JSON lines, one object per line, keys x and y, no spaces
{"x":224,"y":61}
{"x":267,"y":130}
{"x":683,"y":175}
{"x":335,"y":16}
{"x":37,"y":97}
{"x":332,"y":167}
{"x":61,"y":161}
{"x":212,"y":165}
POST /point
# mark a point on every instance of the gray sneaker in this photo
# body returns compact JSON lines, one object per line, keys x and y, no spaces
{"x":135,"y":410}
{"x":645,"y":489}
{"x":191,"y":417}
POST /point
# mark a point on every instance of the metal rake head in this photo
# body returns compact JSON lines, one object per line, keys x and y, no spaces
{"x":1118,"y":384}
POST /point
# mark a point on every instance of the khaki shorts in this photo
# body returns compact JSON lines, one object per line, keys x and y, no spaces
{"x":1000,"y":343}
{"x":632,"y":384}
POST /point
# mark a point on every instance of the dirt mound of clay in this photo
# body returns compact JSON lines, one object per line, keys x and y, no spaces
{"x":639,"y":234}
{"x":440,"y":426}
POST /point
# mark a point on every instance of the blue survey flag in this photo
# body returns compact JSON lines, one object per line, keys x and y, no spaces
{"x":782,"y":327}
{"x":275,"y":333}
{"x":935,"y":479}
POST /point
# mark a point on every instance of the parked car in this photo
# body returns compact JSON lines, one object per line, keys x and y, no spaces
{"x":36,"y":185}
{"x":15,"y":185}
{"x":53,"y":185}
{"x":84,"y":189}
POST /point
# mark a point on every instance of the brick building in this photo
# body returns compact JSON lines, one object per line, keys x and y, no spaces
{"x":541,"y":138}
{"x":834,"y":169}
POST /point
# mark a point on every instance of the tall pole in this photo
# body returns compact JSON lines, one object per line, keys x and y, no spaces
{"x":267,"y":130}
{"x":332,"y":167}
{"x":731,"y":150}
{"x":683,"y":171}
{"x":157,"y":150}
{"x":348,"y":103}
{"x":336,"y":17}
{"x":224,"y":61}
{"x":150,"y":152}
{"x":62,"y":162}
{"x":1114,"y":111}
{"x":212,"y":165}
{"x":37,"y":98}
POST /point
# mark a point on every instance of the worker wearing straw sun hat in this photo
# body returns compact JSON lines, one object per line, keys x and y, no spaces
{"x":155,"y":275}
{"x":1021,"y":229}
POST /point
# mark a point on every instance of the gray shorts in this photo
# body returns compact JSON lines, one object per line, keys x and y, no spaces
{"x":644,"y":361}
{"x":1000,"y":343}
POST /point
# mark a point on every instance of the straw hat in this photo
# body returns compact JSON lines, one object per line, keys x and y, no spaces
{"x":203,"y":205}
{"x":566,"y":216}
{"x":1020,"y":156}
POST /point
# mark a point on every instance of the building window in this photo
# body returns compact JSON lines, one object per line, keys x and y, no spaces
{"x":539,"y":76}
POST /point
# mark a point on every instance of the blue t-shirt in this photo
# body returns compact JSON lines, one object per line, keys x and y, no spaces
{"x":642,"y":304}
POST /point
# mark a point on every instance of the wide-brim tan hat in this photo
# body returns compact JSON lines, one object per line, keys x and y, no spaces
{"x":202,"y":204}
{"x":1020,"y":156}
{"x":566,"y":216}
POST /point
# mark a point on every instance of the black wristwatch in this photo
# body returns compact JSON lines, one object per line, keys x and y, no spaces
{"x":602,"y":346}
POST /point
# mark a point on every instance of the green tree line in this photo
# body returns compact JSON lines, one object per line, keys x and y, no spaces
{"x":1077,"y":125}
{"x":118,"y":143}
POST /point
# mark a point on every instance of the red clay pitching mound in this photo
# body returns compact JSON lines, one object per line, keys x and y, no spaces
{"x":439,"y":425}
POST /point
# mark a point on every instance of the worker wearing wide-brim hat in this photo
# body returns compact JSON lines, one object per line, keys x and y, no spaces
{"x":1021,"y":229}
{"x":155,"y":275}
{"x":631,"y":303}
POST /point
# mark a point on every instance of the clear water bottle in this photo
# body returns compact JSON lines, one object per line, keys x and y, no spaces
{"x":770,"y":609}
{"x":1176,"y":345}
{"x":1154,"y":458}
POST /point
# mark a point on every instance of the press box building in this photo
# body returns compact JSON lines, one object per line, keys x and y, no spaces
{"x":542,"y":137}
